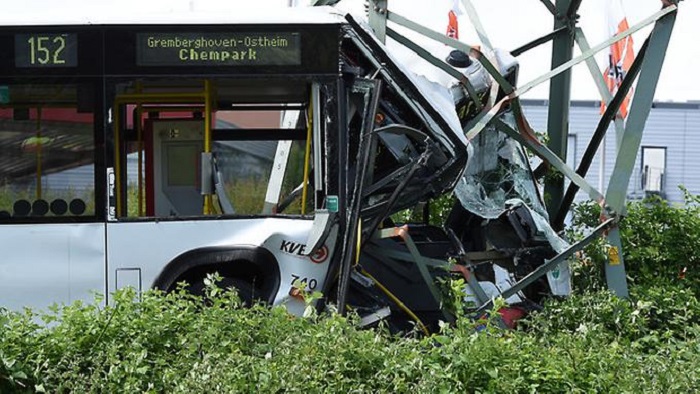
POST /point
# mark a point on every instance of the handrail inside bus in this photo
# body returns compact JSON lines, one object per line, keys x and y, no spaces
{"x":38,"y":153}
{"x":140,"y":98}
{"x":208,"y":202}
{"x":139,"y":148}
{"x":307,"y":156}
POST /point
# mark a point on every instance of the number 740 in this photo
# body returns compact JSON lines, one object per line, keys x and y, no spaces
{"x":305,"y":283}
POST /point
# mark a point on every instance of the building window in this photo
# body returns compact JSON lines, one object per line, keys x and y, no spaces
{"x":653,"y":169}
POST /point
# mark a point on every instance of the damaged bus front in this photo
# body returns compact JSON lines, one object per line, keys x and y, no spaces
{"x":497,"y":232}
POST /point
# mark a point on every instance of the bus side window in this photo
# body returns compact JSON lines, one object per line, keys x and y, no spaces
{"x":159,"y":153}
{"x":46,"y":157}
{"x":252,"y":173}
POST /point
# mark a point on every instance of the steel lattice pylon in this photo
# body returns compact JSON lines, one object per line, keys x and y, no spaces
{"x":564,"y":36}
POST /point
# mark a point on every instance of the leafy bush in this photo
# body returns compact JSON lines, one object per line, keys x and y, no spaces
{"x":439,"y":209}
{"x":176,"y":343}
{"x":661,"y":243}
{"x":591,"y":342}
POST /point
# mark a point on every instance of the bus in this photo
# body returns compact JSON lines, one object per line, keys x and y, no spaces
{"x":148,"y":151}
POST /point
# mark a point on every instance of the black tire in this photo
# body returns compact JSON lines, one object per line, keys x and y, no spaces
{"x":245,"y":290}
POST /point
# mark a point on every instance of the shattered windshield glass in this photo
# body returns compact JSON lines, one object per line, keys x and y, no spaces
{"x":498,"y":171}
{"x":498,"y":178}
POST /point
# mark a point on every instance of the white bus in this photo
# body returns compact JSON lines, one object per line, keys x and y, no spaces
{"x":146,"y":152}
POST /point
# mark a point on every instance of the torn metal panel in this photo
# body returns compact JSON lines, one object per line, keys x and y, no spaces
{"x":420,"y":150}
{"x":435,"y":97}
{"x":551,"y":263}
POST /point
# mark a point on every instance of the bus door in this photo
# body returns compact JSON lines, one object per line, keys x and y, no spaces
{"x":173,"y":150}
{"x":155,"y":181}
{"x":238,"y":171}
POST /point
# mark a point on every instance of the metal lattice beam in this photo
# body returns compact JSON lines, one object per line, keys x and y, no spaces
{"x":639,"y":112}
{"x":377,"y":14}
{"x":573,"y":9}
{"x":559,"y":99}
{"x":537,"y":42}
{"x":597,"y":138}
{"x":564,"y":35}
{"x":437,"y":63}
{"x":550,"y":7}
{"x":551,"y":264}
{"x":316,"y":3}
{"x":624,"y":165}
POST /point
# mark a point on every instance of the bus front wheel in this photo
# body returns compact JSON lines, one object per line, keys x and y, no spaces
{"x":245,"y":290}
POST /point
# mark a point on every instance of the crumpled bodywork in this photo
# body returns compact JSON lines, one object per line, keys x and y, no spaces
{"x":418,"y":150}
{"x":497,"y":192}
{"x":498,"y":232}
{"x":498,"y":180}
{"x":407,"y":145}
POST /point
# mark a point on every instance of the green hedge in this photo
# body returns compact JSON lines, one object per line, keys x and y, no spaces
{"x":661,"y":243}
{"x":175,"y":343}
{"x":171,"y":343}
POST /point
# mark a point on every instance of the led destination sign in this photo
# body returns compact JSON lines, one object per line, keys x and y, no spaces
{"x":46,"y":50}
{"x":218,"y":49}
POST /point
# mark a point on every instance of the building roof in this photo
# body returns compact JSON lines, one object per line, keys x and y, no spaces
{"x":688,"y":105}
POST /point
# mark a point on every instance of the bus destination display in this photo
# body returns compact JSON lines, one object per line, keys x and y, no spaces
{"x":218,"y":49}
{"x":46,"y":50}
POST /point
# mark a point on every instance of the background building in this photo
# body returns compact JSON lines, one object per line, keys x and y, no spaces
{"x":669,"y":154}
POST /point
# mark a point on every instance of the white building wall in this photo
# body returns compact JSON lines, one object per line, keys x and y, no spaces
{"x":666,"y":128}
{"x":691,"y":148}
{"x":674,"y":126}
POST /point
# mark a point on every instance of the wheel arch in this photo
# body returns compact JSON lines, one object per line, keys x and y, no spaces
{"x":240,"y":261}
